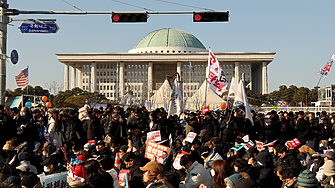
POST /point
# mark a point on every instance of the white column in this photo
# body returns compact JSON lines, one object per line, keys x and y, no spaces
{"x":93,"y":77}
{"x":66,"y":76}
{"x":149,"y":79}
{"x":121,"y":70}
{"x":237,"y":71}
{"x":80,"y":78}
{"x":179,"y":67}
{"x":74,"y":77}
{"x":264,"y":78}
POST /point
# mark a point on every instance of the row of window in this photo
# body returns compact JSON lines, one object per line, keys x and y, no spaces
{"x":106,"y":66}
{"x":188,"y":73}
{"x":136,"y":74}
{"x":135,"y":80}
{"x":188,"y":87}
{"x":194,"y":66}
{"x":107,"y":73}
{"x":136,"y":66}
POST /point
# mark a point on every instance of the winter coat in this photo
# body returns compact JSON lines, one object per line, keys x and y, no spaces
{"x":139,"y":162}
{"x":228,"y":128}
{"x":212,"y":127}
{"x":156,"y":126}
{"x":102,"y":181}
{"x":273,"y":129}
{"x":56,"y":132}
{"x":246,"y":183}
{"x":196,"y":175}
{"x":266,"y":177}
{"x":211,"y":158}
{"x":291,"y":159}
{"x":74,"y":129}
{"x":252,"y":171}
{"x":138,"y":123}
{"x":304,"y":130}
{"x":113,"y":128}
{"x":92,"y":128}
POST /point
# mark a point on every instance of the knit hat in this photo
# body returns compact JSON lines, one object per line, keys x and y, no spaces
{"x":24,"y":156}
{"x":330,"y":154}
{"x":153,"y":168}
{"x":233,"y":179}
{"x":38,"y":146}
{"x":329,"y":168}
{"x":8,"y":146}
{"x":30,"y":181}
{"x":124,"y":148}
{"x":11,"y":181}
{"x":87,"y":146}
{"x":77,"y":173}
{"x":81,"y":159}
{"x":307,"y":179}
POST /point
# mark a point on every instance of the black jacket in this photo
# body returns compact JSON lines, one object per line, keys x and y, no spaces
{"x":74,"y":129}
{"x":266,"y":177}
{"x":113,"y":128}
{"x":212,"y":127}
{"x":138,"y":123}
{"x":228,"y":128}
{"x":291,"y":159}
{"x":304,"y":129}
{"x":139,"y":162}
{"x":92,"y":128}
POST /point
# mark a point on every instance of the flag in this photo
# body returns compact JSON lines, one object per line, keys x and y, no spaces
{"x":191,"y":66}
{"x":233,"y":88}
{"x":326,"y":69}
{"x":216,"y":77}
{"x":242,"y":103}
{"x":176,"y":101}
{"x":22,"y":78}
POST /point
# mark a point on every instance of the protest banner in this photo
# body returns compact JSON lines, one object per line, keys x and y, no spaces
{"x":122,"y":177}
{"x":249,"y":145}
{"x":157,"y":152}
{"x":176,"y":162}
{"x":154,"y":136}
{"x":259,"y":145}
{"x":190,"y":137}
{"x":292,"y":143}
{"x":58,"y":180}
{"x":271,"y":143}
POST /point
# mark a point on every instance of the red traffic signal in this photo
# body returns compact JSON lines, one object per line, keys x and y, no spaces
{"x":129,"y":17}
{"x":211,"y":16}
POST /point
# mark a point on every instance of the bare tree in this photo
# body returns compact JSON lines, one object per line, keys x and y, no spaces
{"x":54,"y":87}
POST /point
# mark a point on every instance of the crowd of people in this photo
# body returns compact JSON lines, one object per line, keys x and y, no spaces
{"x":94,"y":145}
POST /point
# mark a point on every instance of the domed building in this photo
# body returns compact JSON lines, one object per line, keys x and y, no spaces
{"x":161,"y":53}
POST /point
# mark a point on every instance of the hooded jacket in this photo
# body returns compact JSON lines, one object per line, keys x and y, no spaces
{"x":196,"y":175}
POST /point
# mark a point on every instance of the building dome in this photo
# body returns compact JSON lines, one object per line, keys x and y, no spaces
{"x":168,"y":40}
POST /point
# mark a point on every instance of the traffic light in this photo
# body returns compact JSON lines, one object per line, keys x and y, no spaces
{"x":211,"y":16}
{"x":129,"y":17}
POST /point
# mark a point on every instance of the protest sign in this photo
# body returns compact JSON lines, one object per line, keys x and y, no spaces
{"x":122,"y":177}
{"x":176,"y":162}
{"x":249,"y":145}
{"x":58,"y":180}
{"x":271,"y":143}
{"x":246,"y":138}
{"x":292,"y":143}
{"x":157,"y":152}
{"x":190,"y":137}
{"x":259,"y":145}
{"x":204,"y":110}
{"x":154,"y":136}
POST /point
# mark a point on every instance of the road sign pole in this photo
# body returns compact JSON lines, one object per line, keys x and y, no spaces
{"x":3,"y":41}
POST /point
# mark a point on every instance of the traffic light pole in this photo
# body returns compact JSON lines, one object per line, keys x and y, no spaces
{"x":5,"y":19}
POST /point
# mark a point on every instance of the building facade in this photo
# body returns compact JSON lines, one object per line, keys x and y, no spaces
{"x":163,"y":52}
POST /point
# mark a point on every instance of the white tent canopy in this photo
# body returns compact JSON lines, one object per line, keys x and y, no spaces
{"x":161,"y":98}
{"x":198,"y":99}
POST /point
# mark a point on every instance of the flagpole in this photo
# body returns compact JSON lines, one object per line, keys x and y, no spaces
{"x":28,"y":78}
{"x":317,"y":86}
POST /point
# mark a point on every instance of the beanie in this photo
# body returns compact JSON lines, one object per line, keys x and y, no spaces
{"x":77,"y":173}
{"x":233,"y":179}
{"x":30,"y":181}
{"x":307,"y":179}
{"x":329,"y":168}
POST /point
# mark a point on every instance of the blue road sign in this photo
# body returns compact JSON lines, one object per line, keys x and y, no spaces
{"x":14,"y":57}
{"x":38,"y":28}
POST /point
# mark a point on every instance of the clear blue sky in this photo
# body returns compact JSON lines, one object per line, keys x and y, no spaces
{"x":301,"y":32}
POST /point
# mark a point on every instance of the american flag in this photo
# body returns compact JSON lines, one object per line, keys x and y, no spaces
{"x":22,"y":78}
